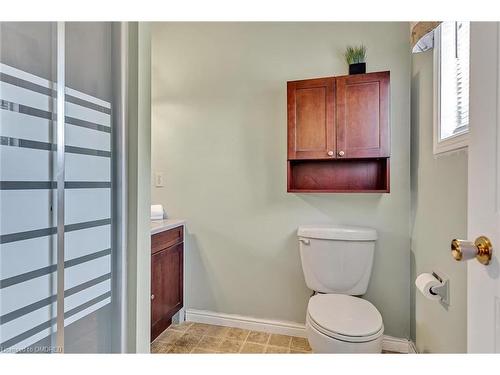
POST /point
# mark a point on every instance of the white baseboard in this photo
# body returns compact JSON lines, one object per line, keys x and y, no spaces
{"x":389,"y":343}
{"x":412,"y":348}
{"x":395,"y":344}
{"x":239,"y":321}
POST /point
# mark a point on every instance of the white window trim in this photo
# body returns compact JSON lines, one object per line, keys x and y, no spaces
{"x":455,"y":142}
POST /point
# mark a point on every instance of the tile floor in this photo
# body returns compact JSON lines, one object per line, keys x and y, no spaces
{"x":204,"y":338}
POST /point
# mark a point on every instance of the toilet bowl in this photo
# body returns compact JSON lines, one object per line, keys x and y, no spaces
{"x":338,"y":323}
{"x":337,"y":262}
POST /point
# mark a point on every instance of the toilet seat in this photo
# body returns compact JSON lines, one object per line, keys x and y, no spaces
{"x":344,"y":317}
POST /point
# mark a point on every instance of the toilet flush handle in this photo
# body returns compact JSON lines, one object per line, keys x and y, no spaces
{"x":305,"y":241}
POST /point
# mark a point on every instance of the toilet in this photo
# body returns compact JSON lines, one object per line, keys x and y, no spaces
{"x":337,"y":263}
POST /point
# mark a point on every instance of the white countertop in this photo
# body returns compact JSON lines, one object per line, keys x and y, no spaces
{"x":158,"y":226}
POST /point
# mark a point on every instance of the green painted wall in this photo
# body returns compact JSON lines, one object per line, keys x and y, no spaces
{"x":219,"y":135}
{"x":439,"y":214}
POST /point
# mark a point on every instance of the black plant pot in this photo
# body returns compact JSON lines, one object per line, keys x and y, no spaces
{"x":359,"y":68}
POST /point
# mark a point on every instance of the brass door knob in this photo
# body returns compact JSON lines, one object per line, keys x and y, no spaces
{"x":341,"y":153}
{"x":481,"y":249}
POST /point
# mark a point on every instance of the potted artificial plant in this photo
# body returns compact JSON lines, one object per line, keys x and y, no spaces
{"x":355,"y":57}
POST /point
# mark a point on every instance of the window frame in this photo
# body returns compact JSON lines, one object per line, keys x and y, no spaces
{"x":454,"y":142}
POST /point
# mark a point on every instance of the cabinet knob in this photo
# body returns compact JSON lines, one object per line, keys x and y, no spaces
{"x":152,"y":297}
{"x":330,"y":153}
{"x":341,"y":153}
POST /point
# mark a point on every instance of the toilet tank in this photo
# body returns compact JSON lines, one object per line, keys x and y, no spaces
{"x":337,"y":259}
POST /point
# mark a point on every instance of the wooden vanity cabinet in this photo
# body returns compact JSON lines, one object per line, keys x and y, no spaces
{"x":338,"y":134}
{"x":167,"y":252}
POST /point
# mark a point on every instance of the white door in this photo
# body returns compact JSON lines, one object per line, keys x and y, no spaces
{"x":483,"y":286}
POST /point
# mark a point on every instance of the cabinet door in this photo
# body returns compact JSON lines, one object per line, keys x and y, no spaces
{"x":311,"y":130}
{"x":166,"y":287}
{"x":362,"y":103}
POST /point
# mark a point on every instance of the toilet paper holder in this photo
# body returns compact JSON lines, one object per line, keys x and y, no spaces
{"x":443,"y":289}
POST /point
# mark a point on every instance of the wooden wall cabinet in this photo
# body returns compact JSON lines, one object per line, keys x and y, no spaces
{"x":338,"y":134}
{"x":311,"y":118}
{"x":167,"y":252}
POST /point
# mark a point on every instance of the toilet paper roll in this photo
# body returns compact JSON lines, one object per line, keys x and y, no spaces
{"x":156,"y":212}
{"x":424,"y":283}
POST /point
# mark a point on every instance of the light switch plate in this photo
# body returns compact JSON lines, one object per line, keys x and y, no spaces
{"x":159,"y":179}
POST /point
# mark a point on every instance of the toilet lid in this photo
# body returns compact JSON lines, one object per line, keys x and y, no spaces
{"x":345,"y":315}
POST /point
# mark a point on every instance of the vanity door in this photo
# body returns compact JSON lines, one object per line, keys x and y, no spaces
{"x":166,"y":279}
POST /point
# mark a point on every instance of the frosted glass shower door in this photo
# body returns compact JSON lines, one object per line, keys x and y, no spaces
{"x":28,"y":264}
{"x":88,"y":187}
{"x":60,"y":250}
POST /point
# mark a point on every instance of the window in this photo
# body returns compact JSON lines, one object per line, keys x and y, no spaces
{"x":451,"y":86}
